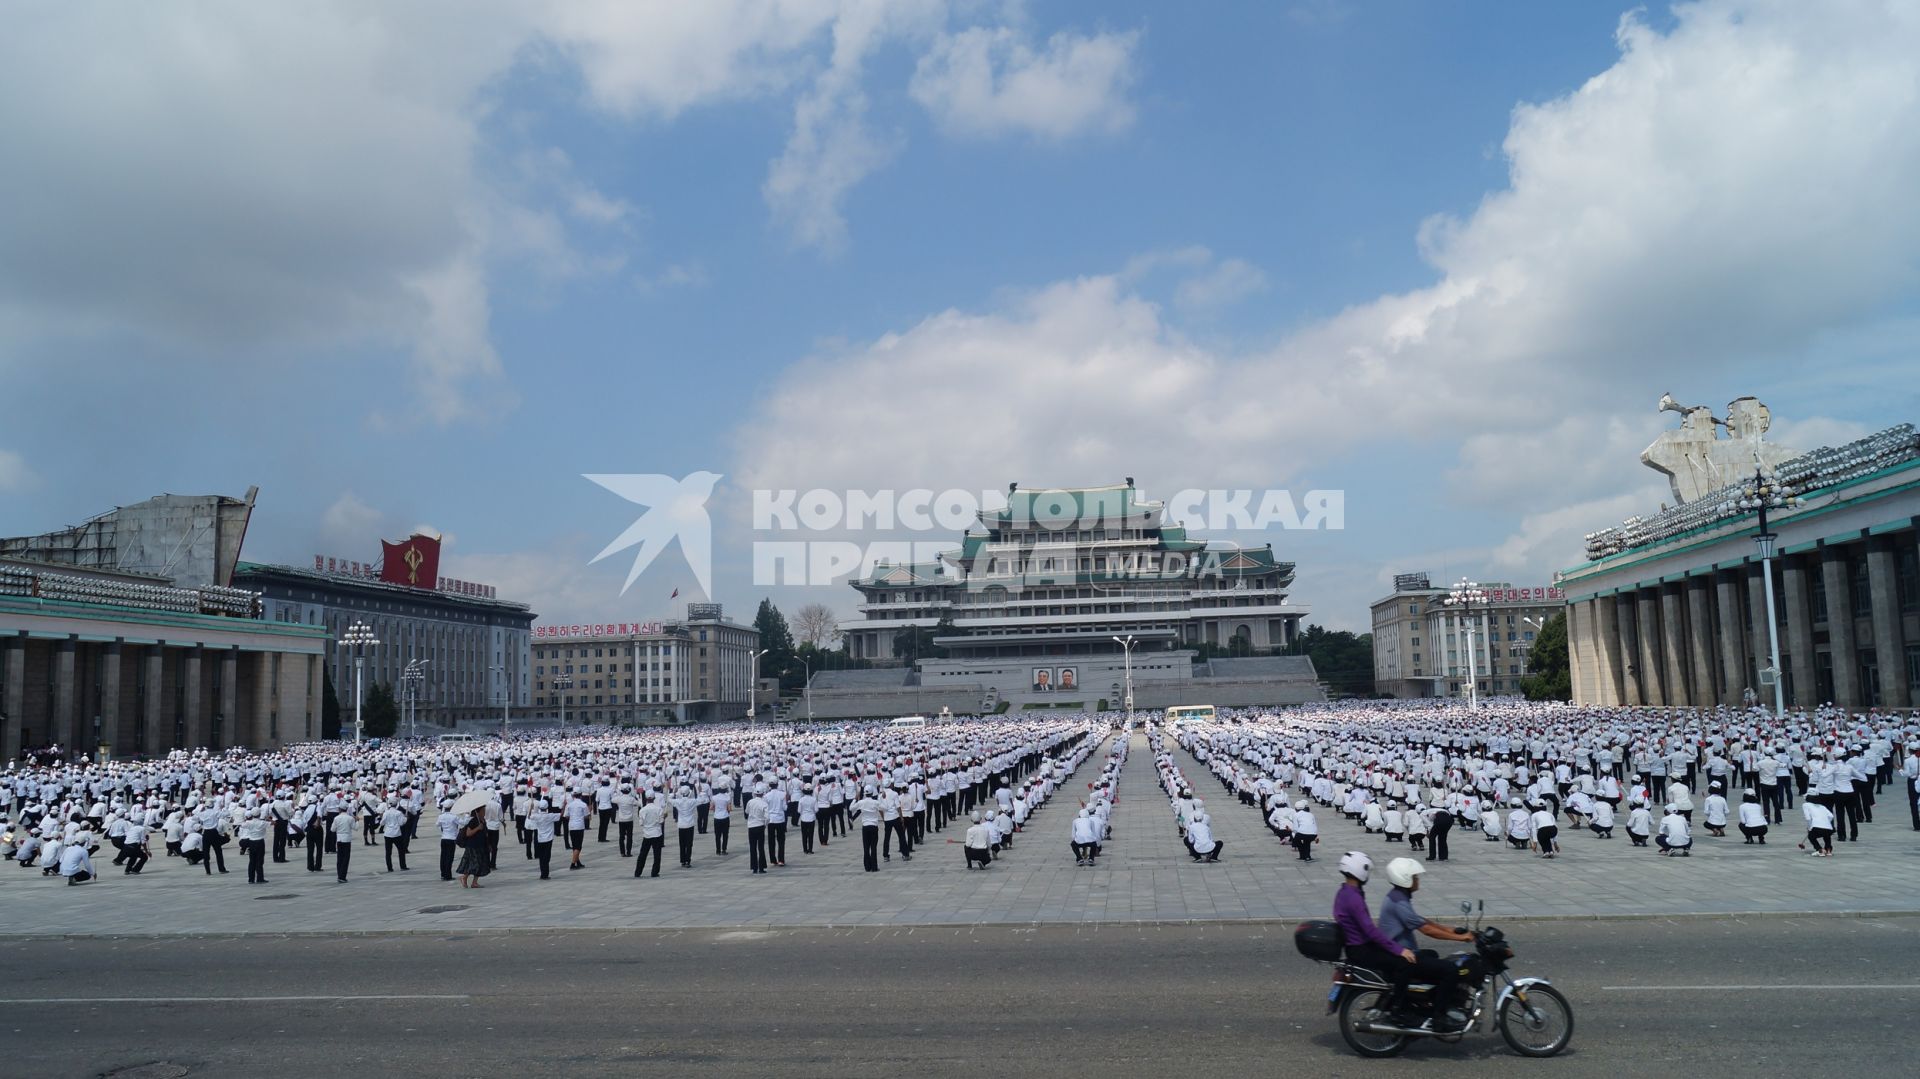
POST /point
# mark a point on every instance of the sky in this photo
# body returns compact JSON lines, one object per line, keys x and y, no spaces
{"x":430,"y":266}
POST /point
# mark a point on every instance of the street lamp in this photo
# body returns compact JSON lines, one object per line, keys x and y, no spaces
{"x":1464,"y":595}
{"x":753,"y":684}
{"x":806,"y":690}
{"x":358,"y":639}
{"x":411,"y":678}
{"x":563,"y":683}
{"x":506,"y":701}
{"x":1763,"y":493}
{"x":1126,"y":643}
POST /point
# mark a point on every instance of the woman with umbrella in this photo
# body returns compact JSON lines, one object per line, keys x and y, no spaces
{"x":473,"y":837}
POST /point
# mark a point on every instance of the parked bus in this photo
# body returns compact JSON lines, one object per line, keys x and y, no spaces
{"x":1190,"y":713}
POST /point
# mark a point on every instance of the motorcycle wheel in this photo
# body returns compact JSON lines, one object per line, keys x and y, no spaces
{"x":1366,"y":1005}
{"x":1540,"y":1026}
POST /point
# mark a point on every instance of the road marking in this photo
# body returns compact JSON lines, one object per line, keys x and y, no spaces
{"x":1704,"y":988}
{"x":234,"y":1000}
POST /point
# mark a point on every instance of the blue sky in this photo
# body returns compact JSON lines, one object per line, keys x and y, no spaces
{"x":426,"y":267}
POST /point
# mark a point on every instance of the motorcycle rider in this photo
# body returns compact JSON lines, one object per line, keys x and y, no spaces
{"x":1400,"y":921}
{"x":1366,"y":945}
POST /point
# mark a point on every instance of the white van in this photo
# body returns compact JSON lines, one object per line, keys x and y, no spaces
{"x":909,"y":721}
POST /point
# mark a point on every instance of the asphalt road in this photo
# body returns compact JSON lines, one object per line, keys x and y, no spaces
{"x":1192,"y":1001}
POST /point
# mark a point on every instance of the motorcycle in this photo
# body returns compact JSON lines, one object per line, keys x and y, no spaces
{"x":1533,"y":1016}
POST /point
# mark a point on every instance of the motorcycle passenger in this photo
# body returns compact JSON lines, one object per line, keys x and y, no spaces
{"x":1366,"y":945}
{"x":1400,"y":921}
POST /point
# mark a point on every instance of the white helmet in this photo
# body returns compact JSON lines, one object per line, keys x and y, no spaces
{"x":1401,"y":871}
{"x":1356,"y":865}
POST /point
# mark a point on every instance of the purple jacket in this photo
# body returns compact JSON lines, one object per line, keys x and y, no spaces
{"x":1356,"y":924}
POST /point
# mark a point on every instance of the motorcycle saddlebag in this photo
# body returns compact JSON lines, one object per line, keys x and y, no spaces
{"x":1319,"y":941}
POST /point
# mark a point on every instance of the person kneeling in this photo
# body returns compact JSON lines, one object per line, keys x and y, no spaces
{"x":979,"y":844}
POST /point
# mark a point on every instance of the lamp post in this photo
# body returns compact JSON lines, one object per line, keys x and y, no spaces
{"x":806,"y":689}
{"x":358,"y":638}
{"x":506,"y":700}
{"x":1126,"y":645}
{"x":1464,"y":596}
{"x":415,"y":673}
{"x":563,"y":683}
{"x":1763,"y":493}
{"x":753,"y":684}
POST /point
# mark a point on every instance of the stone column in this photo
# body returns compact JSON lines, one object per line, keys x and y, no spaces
{"x":1700,"y":643}
{"x":1578,"y":652}
{"x":13,"y":706}
{"x":1646,"y":624}
{"x":1604,"y":624}
{"x":110,"y":699}
{"x":1673,"y":646}
{"x":1733,"y":675}
{"x":1627,"y":619}
{"x":1840,"y":635}
{"x":231,"y":729}
{"x":1794,"y":592}
{"x":1483,"y":665}
{"x":265,"y":703}
{"x":1889,"y":644}
{"x":191,"y":700}
{"x":1757,"y":639}
{"x":64,"y":724}
{"x":155,"y":660}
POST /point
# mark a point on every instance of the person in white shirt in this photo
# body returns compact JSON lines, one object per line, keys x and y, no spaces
{"x":867,"y":811}
{"x":1639,"y":823}
{"x":134,"y":844}
{"x":253,"y":841}
{"x":393,"y":834}
{"x":1084,"y":837}
{"x":809,"y":808}
{"x":625,"y":806}
{"x":1819,"y":828}
{"x":978,"y":841}
{"x":721,"y":815}
{"x":1714,"y":812}
{"x":1546,"y":832}
{"x":776,"y":824}
{"x":541,"y":821}
{"x":1200,"y":842}
{"x":653,"y":833}
{"x":1602,"y":823}
{"x":757,"y":830}
{"x":1519,"y":827}
{"x":578,"y":812}
{"x":1676,"y":836}
{"x":1306,"y":830}
{"x":686,"y":812}
{"x":449,"y":825}
{"x":76,"y":859}
{"x":1753,"y":817}
{"x":342,"y":843}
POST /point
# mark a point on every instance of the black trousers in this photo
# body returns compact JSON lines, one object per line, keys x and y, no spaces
{"x":757,"y":849}
{"x":493,"y":848}
{"x":256,"y":861}
{"x":700,"y":814}
{"x":870,"y":846}
{"x":777,"y":841}
{"x":806,"y":837}
{"x":653,"y":845}
{"x":686,"y":846}
{"x":1442,"y":824}
{"x":342,"y":854}
{"x":213,"y":845}
{"x":448,"y":848}
{"x":137,"y":858}
{"x":543,"y":853}
{"x":626,"y":838}
{"x":279,"y":840}
{"x":393,"y":844}
{"x":1304,"y":844}
{"x":606,"y":818}
{"x":316,"y":848}
{"x":720,"y":825}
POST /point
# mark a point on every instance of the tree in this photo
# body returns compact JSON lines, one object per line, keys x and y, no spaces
{"x":815,"y":624}
{"x":329,"y":707}
{"x":381,"y":712}
{"x":1549,"y":666}
{"x":777,"y":639}
{"x":918,"y":643}
{"x":1342,"y":659}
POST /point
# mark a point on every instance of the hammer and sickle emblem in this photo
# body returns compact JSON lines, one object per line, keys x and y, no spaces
{"x":413,"y":558}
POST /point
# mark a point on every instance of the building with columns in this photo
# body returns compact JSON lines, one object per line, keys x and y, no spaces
{"x":1672,"y":609}
{"x":1420,"y":642}
{"x":94,"y":659}
{"x":690,"y":670}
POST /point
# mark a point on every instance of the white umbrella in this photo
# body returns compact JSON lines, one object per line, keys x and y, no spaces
{"x":472,"y":800}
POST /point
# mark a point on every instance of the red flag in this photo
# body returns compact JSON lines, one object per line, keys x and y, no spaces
{"x":414,"y":563}
{"x":676,"y":594}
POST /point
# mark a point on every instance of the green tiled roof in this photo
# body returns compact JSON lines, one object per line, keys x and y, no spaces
{"x":1059,"y":507}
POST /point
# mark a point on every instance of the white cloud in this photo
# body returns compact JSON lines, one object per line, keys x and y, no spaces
{"x":990,"y":81}
{"x":349,"y":525}
{"x":1226,"y":284}
{"x":15,"y":476}
{"x":1724,"y":194}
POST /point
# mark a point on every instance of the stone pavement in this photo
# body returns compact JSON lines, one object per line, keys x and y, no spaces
{"x":1145,"y":876}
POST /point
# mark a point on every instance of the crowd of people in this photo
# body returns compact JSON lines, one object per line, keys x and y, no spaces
{"x":316,"y":803}
{"x":1517,"y":772}
{"x":1427,"y":774}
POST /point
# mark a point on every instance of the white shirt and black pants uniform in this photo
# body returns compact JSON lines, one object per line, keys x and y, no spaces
{"x":393,"y":833}
{"x":653,"y":835}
